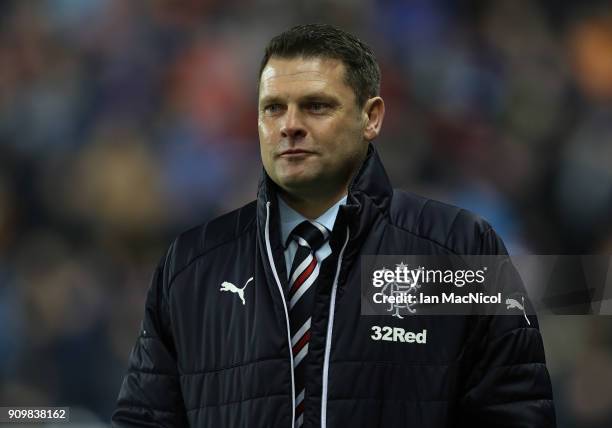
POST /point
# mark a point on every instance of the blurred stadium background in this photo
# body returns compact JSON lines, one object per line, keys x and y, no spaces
{"x":123,"y":123}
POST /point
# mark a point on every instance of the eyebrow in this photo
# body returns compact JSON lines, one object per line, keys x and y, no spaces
{"x":314,"y":96}
{"x":270,"y":99}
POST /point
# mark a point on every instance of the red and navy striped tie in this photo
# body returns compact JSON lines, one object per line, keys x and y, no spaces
{"x":304,"y":272}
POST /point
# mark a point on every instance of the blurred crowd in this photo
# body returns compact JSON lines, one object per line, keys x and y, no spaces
{"x":123,"y":123}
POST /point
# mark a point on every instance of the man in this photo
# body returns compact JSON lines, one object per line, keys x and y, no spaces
{"x":253,"y":319}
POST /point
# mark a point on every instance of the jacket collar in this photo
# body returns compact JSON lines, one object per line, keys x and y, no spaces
{"x":371,"y":183}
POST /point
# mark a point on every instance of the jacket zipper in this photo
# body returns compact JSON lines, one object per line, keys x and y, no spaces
{"x":330,"y":322}
{"x":280,"y":289}
{"x":328,"y":339}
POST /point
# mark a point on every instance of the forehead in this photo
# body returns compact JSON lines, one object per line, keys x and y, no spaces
{"x":282,"y":76}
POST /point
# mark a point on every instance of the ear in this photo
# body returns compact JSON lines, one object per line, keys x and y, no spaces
{"x":373,"y":114}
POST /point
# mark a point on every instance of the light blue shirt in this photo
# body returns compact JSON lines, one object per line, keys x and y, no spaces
{"x":289,"y":219}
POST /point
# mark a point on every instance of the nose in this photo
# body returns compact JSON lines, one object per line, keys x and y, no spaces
{"x":292,"y":127}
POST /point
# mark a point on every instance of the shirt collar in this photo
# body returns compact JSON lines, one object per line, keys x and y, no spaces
{"x":290,"y":218}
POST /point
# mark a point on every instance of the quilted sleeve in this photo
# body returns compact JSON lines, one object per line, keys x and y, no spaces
{"x":507,"y":383}
{"x":510,"y":385}
{"x":150,"y":395}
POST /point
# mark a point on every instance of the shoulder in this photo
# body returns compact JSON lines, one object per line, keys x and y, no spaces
{"x":455,"y":229}
{"x":199,"y":240}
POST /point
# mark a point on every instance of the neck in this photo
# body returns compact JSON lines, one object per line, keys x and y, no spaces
{"x":313,"y":207}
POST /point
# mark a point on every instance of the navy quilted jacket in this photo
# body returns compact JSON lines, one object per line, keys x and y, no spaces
{"x":205,"y":359}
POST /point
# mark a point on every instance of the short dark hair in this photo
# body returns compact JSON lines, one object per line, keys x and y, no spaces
{"x":327,"y":41}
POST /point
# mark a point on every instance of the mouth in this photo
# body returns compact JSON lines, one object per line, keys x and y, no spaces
{"x":291,"y":153}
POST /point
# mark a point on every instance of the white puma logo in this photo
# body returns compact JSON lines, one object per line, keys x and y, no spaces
{"x":515,"y":304}
{"x":228,"y":286}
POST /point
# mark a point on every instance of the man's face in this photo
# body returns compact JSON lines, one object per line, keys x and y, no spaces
{"x":311,"y":131}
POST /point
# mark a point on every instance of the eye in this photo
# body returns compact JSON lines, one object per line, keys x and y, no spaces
{"x":317,"y":107}
{"x":272,"y":108}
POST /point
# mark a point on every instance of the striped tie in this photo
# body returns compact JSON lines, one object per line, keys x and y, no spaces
{"x":304,"y":271}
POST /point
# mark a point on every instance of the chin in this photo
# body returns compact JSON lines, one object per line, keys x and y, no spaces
{"x":297,"y":178}
{"x":297,"y":184}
